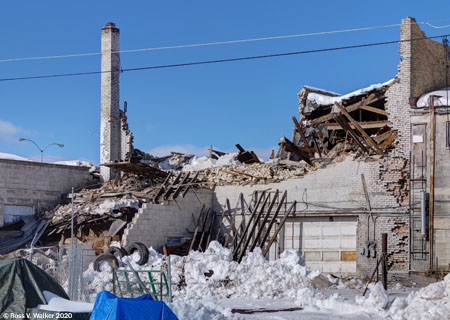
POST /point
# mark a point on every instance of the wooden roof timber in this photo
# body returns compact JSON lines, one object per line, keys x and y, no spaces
{"x":364,"y":134}
{"x":363,"y":104}
{"x":364,"y":125}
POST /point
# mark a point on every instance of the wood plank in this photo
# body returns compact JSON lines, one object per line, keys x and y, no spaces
{"x":366,"y":193}
{"x":381,"y":137}
{"x":373,"y":109}
{"x":316,"y":145}
{"x":348,"y":255}
{"x":180,"y":186}
{"x":203,"y":230}
{"x":301,"y":132}
{"x":386,"y":143}
{"x":237,"y":173}
{"x":364,"y":125}
{"x":278,"y":229}
{"x":373,"y":97}
{"x":252,"y":230}
{"x":289,"y":146}
{"x":253,"y":214}
{"x":345,"y":126}
{"x":263,"y":223}
{"x":191,"y":246}
{"x":274,"y":219}
{"x":368,"y":139}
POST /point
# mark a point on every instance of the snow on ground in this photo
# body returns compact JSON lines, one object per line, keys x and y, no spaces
{"x":11,"y":156}
{"x":202,"y":163}
{"x":208,"y":285}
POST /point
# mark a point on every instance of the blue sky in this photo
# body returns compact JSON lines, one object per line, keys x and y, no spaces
{"x":187,"y":108}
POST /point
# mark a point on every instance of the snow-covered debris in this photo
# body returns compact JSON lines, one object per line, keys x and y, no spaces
{"x":202,"y":163}
{"x":325,"y":100}
{"x":215,"y":274}
{"x":199,"y":279}
{"x":11,"y":156}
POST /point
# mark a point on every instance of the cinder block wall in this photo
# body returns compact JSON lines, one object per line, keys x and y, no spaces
{"x":37,"y":184}
{"x":155,"y":222}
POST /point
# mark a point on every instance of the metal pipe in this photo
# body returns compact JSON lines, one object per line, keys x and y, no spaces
{"x":432,"y":171}
{"x":169,"y":271}
{"x":423,"y":230}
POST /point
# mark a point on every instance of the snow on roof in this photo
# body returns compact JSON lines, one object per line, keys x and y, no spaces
{"x":79,"y":163}
{"x":331,"y":93}
{"x":325,"y":100}
{"x":443,"y":100}
{"x":10,"y":156}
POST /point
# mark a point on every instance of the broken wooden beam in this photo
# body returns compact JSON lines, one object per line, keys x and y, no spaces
{"x":374,"y":110}
{"x":287,"y":145}
{"x":301,"y":132}
{"x":366,"y":137}
{"x":237,"y":173}
{"x":345,"y":126}
{"x":253,"y":214}
{"x":373,"y":97}
{"x":364,"y":125}
{"x":280,"y":226}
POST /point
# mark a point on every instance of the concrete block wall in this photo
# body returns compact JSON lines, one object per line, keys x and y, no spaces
{"x":155,"y":222}
{"x":337,"y":186}
{"x":38,"y":184}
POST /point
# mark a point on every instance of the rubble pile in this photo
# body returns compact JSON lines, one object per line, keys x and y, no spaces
{"x":256,"y":173}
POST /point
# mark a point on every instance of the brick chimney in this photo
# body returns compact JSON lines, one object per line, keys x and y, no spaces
{"x":110,"y":118}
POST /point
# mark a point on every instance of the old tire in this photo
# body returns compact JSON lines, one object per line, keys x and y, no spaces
{"x":142,"y":249}
{"x":117,"y":252}
{"x":105,"y":257}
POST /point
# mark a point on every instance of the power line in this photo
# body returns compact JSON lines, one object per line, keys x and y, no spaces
{"x":222,"y":60}
{"x":219,"y":42}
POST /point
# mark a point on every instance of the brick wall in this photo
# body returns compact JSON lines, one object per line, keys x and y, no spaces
{"x":397,"y":228}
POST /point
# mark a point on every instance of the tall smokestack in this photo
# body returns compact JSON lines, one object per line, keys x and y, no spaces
{"x":110,"y":120}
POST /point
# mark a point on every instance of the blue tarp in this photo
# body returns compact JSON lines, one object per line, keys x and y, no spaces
{"x":110,"y":307}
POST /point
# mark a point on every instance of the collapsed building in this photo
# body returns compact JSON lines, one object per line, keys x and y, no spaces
{"x":356,"y":166}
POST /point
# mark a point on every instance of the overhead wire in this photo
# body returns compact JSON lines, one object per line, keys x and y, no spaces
{"x":220,"y":60}
{"x":219,"y":42}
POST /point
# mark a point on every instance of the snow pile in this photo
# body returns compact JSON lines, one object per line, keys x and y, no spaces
{"x":200,"y":279}
{"x":215,"y":274}
{"x":188,"y":310}
{"x":430,"y":302}
{"x":202,"y":163}
{"x":10,"y":156}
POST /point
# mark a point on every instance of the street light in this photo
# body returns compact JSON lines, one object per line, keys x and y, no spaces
{"x":41,"y":150}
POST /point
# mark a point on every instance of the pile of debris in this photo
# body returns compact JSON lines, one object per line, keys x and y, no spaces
{"x":96,"y":208}
{"x":332,"y":123}
{"x":263,"y":173}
